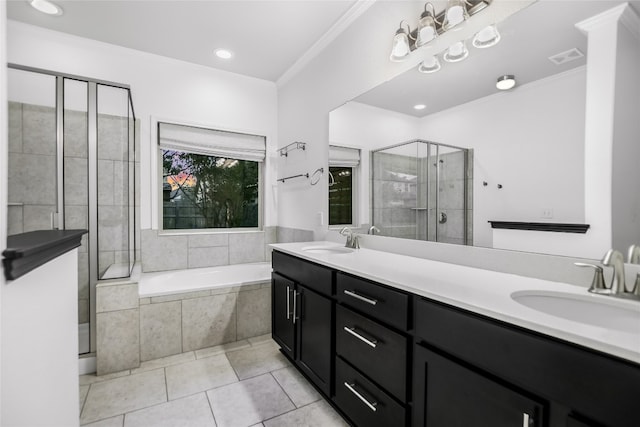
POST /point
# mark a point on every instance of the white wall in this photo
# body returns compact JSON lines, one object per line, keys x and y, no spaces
{"x":531,"y":141}
{"x":40,"y":346}
{"x":368,"y":128}
{"x":163,"y":88}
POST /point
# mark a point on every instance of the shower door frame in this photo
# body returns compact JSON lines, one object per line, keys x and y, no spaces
{"x":437,"y":207}
{"x":92,"y":173}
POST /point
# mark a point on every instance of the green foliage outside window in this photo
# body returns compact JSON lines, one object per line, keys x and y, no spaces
{"x":201,"y":191}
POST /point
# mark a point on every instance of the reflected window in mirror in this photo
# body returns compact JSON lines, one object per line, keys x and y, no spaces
{"x":344,"y":165}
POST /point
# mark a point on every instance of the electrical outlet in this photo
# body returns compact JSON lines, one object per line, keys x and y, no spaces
{"x":547,"y":213}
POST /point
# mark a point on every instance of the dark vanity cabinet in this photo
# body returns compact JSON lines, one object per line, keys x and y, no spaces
{"x":302,"y":315}
{"x":385,"y":357}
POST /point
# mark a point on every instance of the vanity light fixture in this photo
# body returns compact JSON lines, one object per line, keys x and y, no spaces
{"x":419,"y":107}
{"x":487,"y":37}
{"x":427,"y":30}
{"x":400,"y":49}
{"x":223,"y":53}
{"x":506,"y":82}
{"x":431,"y":64}
{"x":47,"y":7}
{"x":456,"y":52}
{"x":455,"y":14}
{"x":432,"y":25}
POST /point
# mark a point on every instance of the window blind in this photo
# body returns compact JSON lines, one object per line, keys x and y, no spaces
{"x":211,"y":142}
{"x":343,"y":156}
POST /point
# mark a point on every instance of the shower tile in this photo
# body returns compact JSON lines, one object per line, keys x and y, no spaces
{"x":14,"y":220}
{"x":261,"y":339}
{"x":114,"y":397}
{"x":113,"y":228}
{"x":105,"y":260}
{"x":192,"y":411}
{"x":116,"y":297}
{"x":254,"y":313}
{"x":318,"y":414}
{"x":270,"y":235}
{"x":160,"y":330}
{"x":32,"y":179}
{"x":257,"y":360}
{"x":208,"y":240}
{"x":112,"y":137}
{"x":37,"y":217}
{"x":105,"y":182}
{"x":208,"y":257}
{"x":83,"y":310}
{"x":181,"y":296}
{"x":15,"y":127}
{"x":300,"y":235}
{"x":76,"y":186}
{"x":75,"y":134}
{"x":208,"y":321}
{"x":197,"y":376}
{"x":93,"y":378}
{"x":248,"y":402}
{"x":451,"y":194}
{"x":75,"y":217}
{"x":297,"y":388}
{"x":109,"y":422}
{"x":246,"y":247}
{"x":38,"y":130}
{"x":83,"y":275}
{"x":161,"y":253}
{"x":118,"y":341}
{"x":163,"y":362}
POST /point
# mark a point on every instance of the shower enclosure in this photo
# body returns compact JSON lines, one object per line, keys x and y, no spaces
{"x":72,"y":166}
{"x":422,"y":190}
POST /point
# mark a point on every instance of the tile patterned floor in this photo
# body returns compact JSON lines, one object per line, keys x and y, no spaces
{"x":243,"y":384}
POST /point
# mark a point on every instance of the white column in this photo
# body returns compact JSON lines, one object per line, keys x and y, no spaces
{"x":603,"y":130}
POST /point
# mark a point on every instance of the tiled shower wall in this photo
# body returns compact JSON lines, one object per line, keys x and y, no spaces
{"x":32,"y":182}
{"x":404,"y":197}
{"x":171,"y":251}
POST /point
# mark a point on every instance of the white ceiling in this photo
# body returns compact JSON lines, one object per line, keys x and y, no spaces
{"x":529,"y":37}
{"x":267,"y":37}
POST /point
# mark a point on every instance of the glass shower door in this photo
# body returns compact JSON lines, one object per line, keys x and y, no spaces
{"x":449,"y":215}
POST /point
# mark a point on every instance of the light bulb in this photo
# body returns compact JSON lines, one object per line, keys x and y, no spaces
{"x":400,"y":48}
{"x":487,"y":37}
{"x":430,"y":64}
{"x":456,"y":52}
{"x":506,"y":82}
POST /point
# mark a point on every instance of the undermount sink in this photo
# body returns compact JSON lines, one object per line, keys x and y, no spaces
{"x":327,"y":250}
{"x":603,"y":311}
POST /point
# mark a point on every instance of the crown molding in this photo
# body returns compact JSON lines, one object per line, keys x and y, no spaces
{"x":336,"y":29}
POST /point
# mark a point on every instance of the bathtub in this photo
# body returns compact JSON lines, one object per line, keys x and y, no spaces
{"x":201,"y":279}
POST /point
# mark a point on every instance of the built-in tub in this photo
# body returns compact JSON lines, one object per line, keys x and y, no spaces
{"x":201,"y":279}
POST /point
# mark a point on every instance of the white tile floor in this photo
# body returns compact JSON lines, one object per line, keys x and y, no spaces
{"x":246,"y":383}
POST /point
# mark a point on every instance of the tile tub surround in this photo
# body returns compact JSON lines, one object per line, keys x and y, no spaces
{"x":243,"y":383}
{"x":173,"y":250}
{"x":132,"y":330}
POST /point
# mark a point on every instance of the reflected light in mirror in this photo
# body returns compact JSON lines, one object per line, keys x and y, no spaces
{"x":456,"y":52}
{"x":487,"y":37}
{"x":400,"y":48}
{"x":430,"y":64}
{"x":455,"y":15}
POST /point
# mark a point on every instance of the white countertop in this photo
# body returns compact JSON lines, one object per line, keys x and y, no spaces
{"x":481,"y":291}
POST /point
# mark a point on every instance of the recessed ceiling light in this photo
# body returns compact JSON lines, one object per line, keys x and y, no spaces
{"x":419,"y":107}
{"x":46,"y":6}
{"x":224,"y":53}
{"x":506,"y":82}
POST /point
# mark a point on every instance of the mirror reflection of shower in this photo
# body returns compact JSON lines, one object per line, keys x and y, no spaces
{"x":422,"y":190}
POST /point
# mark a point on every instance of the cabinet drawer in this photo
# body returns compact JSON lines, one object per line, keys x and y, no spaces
{"x":307,"y":273}
{"x":363,"y":402}
{"x":374,"y":349}
{"x":384,"y":304}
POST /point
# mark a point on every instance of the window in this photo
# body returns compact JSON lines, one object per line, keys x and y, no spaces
{"x":210,"y":179}
{"x":343,"y":167}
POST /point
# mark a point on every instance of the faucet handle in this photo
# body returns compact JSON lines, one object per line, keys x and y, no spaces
{"x":636,"y":288}
{"x":598,"y":285}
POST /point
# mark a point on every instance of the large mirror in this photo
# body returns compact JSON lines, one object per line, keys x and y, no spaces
{"x":447,"y":153}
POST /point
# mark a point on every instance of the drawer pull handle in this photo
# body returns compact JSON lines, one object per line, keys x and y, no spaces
{"x":371,"y":405}
{"x":360,"y":297}
{"x":353,"y":332}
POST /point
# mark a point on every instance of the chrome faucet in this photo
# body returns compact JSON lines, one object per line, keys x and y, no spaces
{"x":352,"y":238}
{"x":633,"y":256}
{"x":373,"y":230}
{"x":615,"y":259}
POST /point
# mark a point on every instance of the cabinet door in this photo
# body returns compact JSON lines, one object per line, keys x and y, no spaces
{"x":314,"y":336}
{"x":447,"y":394}
{"x":282,"y":322}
